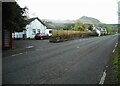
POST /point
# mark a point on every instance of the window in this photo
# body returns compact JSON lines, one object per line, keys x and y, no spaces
{"x":50,"y":31}
{"x":38,"y":30}
{"x":33,"y":31}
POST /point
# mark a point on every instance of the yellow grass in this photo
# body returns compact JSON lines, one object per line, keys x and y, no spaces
{"x":67,"y":34}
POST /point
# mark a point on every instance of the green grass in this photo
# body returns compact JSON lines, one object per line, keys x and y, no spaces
{"x":117,"y":62}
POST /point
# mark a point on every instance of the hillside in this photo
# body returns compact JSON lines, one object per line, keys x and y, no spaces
{"x":59,"y":21}
{"x":60,"y":24}
{"x":89,"y":20}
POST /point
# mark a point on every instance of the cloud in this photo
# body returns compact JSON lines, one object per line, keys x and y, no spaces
{"x":104,"y":10}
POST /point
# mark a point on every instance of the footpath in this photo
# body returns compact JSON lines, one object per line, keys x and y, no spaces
{"x":19,"y":46}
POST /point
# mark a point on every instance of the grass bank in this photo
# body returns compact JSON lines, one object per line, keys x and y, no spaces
{"x":117,"y":62}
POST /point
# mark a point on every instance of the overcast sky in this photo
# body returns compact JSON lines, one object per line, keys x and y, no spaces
{"x":103,"y":10}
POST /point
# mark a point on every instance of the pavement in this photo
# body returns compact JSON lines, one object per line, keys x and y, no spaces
{"x":80,"y":61}
{"x":23,"y":46}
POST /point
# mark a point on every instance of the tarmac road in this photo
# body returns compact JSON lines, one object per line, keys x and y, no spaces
{"x":80,"y":61}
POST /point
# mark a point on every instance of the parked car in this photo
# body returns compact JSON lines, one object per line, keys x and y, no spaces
{"x":41,"y":36}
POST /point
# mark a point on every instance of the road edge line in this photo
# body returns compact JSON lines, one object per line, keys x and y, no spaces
{"x":103,"y":77}
{"x":16,"y":54}
{"x":29,"y":47}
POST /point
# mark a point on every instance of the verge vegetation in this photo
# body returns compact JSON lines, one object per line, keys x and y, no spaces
{"x":63,"y":35}
{"x":117,"y":62}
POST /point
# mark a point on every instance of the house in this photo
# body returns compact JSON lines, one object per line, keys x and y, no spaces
{"x":49,"y":29}
{"x":99,"y":30}
{"x":34,"y":25}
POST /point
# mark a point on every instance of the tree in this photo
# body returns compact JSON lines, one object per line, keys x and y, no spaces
{"x":90,"y":27}
{"x":12,"y":16}
{"x":68,"y":26}
{"x":79,"y":26}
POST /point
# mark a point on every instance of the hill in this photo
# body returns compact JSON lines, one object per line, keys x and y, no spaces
{"x":89,"y":20}
{"x":60,"y":24}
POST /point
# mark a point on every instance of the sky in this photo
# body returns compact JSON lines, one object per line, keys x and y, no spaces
{"x":103,"y":10}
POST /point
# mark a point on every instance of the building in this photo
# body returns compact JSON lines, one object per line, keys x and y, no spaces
{"x":34,"y":25}
{"x":49,"y":29}
{"x":99,"y":30}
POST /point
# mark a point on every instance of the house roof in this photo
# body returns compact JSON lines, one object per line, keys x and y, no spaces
{"x":32,"y":19}
{"x":101,"y":29}
{"x":49,"y":26}
{"x":45,"y":24}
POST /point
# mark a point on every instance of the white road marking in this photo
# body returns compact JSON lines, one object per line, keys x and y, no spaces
{"x":78,"y":47}
{"x":30,"y":47}
{"x":113,"y":51}
{"x":103,"y":78}
{"x":17,"y":54}
{"x":106,"y":66}
{"x":116,"y":45}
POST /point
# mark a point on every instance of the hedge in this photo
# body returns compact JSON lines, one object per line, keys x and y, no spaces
{"x":63,"y":35}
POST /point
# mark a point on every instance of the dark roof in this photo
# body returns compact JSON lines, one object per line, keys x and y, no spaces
{"x":32,"y":19}
{"x":101,"y":29}
{"x":49,"y":26}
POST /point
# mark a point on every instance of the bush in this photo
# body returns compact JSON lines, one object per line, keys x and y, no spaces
{"x":63,"y":35}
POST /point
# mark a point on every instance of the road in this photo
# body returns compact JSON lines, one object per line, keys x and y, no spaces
{"x":80,"y":61}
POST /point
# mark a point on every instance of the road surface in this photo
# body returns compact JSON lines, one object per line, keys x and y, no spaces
{"x":80,"y":61}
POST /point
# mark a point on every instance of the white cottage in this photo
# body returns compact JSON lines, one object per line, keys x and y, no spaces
{"x":35,"y":25}
{"x":99,"y":30}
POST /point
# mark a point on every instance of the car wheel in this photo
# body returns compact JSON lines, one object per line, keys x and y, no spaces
{"x":41,"y":38}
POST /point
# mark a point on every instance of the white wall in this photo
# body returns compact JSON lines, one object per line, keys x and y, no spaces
{"x":34,"y":25}
{"x":17,"y":35}
{"x":48,"y":31}
{"x":97,"y":31}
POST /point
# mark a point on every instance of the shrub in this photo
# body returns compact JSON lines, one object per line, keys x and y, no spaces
{"x":63,"y":35}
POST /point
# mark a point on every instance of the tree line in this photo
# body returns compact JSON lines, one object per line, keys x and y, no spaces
{"x":14,"y":17}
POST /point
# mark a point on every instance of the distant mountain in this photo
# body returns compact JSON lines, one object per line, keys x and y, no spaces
{"x":89,"y":20}
{"x":70,"y":23}
{"x":59,"y":24}
{"x":83,"y":19}
{"x":59,"y":21}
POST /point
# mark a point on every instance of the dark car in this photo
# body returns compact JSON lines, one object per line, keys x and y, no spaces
{"x":41,"y":36}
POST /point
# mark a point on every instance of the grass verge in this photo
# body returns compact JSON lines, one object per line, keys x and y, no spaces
{"x":116,"y":62}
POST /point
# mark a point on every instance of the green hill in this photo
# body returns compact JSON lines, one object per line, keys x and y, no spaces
{"x":89,"y":20}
